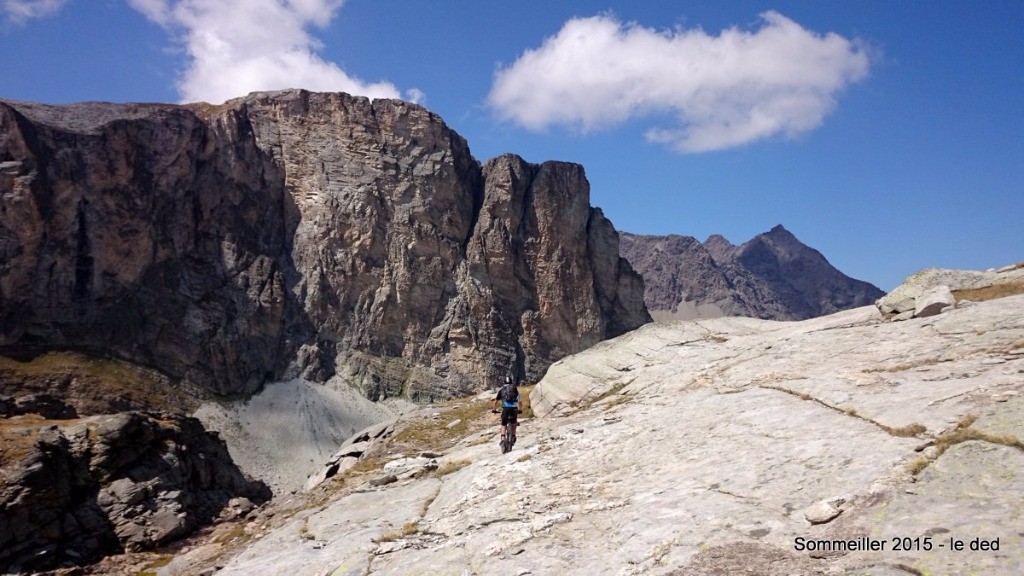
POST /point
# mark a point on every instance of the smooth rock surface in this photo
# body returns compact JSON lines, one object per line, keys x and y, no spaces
{"x":699,"y":448}
{"x":933,"y":301}
{"x":904,"y":296}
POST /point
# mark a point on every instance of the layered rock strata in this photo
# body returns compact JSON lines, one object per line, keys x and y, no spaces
{"x":76,"y":489}
{"x":773,"y":276}
{"x":321,"y":232}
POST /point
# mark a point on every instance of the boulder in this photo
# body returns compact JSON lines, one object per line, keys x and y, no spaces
{"x":44,"y":405}
{"x":360,"y":445}
{"x":904,"y":297}
{"x":933,"y":301}
{"x":821,"y":512}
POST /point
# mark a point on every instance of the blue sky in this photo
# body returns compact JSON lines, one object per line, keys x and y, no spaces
{"x":887,"y":135}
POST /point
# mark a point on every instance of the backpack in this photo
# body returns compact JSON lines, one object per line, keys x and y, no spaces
{"x":510,"y":394}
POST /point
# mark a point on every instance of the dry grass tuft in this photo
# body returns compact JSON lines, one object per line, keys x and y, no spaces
{"x":527,"y":408}
{"x":964,"y":432}
{"x":451,"y":467}
{"x":607,"y":399}
{"x":908,"y":431}
{"x":990,"y":292}
{"x":435,"y":434}
{"x":96,"y":385}
{"x":902,"y":431}
{"x":903,"y":367}
{"x":408,"y":529}
{"x":154,"y":566}
{"x":918,"y":464}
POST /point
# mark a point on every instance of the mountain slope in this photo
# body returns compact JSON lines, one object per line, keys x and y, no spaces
{"x":705,"y":448}
{"x":772,"y":276}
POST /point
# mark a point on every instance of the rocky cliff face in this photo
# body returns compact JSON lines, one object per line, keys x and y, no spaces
{"x":318,"y":231}
{"x":774,"y":276}
{"x":73,"y":490}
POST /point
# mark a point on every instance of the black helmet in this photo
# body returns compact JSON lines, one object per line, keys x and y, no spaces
{"x":508,"y":379}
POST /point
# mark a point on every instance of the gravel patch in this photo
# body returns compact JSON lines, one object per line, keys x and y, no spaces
{"x":287,"y":431}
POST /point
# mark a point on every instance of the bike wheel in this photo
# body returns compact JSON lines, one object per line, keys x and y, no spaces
{"x":506,"y":442}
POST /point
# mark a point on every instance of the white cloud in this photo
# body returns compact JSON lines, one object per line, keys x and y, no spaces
{"x":238,"y":46}
{"x":21,"y":11}
{"x":724,"y":91}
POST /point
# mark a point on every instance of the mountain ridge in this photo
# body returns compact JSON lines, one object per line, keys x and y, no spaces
{"x":296,"y":233}
{"x":771,"y":276}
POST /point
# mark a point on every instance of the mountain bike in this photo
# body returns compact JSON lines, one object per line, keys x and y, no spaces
{"x":507,"y":440}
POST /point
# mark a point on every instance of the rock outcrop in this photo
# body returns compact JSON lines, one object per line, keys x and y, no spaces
{"x":73,"y":490}
{"x":722,"y":446}
{"x":932,"y":290}
{"x":321,"y":232}
{"x":774,"y":276}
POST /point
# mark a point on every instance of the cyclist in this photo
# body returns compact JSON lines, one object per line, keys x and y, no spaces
{"x":508,"y":395}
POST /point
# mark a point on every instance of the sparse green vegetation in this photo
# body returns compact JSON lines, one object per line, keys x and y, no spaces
{"x":438,"y":434}
{"x":236,"y":533}
{"x":469,"y":414}
{"x":154,"y":566}
{"x":96,"y":383}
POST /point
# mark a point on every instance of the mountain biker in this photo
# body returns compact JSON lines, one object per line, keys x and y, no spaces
{"x":508,"y":395}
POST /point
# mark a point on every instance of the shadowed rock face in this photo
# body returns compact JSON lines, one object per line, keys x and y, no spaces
{"x":322,"y":231}
{"x":77,"y":489}
{"x":774,"y":276}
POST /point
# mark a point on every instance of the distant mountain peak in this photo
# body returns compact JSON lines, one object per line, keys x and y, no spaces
{"x":773,"y":276}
